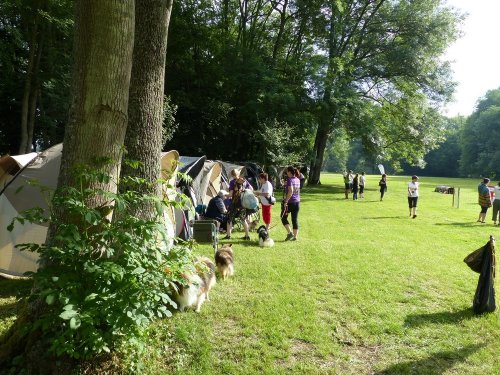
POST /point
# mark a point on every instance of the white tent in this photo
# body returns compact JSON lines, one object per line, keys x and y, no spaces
{"x":18,"y":195}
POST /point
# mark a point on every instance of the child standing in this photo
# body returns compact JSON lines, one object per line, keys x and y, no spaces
{"x":355,"y":187}
{"x":413,"y":196}
{"x":383,"y":186}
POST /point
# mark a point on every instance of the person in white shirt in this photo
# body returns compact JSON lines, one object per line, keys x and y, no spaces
{"x":413,"y":196}
{"x":496,"y":204}
{"x":265,"y":194}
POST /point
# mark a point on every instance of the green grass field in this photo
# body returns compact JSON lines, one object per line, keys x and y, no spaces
{"x":365,"y":290}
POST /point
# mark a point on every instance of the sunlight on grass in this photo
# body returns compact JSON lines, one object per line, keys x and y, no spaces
{"x":365,"y":290}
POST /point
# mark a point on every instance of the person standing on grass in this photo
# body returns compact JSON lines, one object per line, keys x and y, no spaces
{"x":291,"y":203}
{"x":265,"y":194}
{"x":383,"y":186}
{"x":483,"y":199}
{"x":236,"y":187}
{"x":413,"y":196}
{"x":362,"y":182}
{"x":355,"y":187}
{"x":347,"y":183}
{"x":496,"y":204}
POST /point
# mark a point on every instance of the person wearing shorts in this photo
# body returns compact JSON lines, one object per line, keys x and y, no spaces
{"x":413,"y":196}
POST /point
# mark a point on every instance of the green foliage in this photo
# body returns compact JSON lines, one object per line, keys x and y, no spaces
{"x":337,"y":152}
{"x":107,"y":273}
{"x":480,"y":137}
{"x":281,"y":146}
{"x":169,"y":124}
{"x":50,"y":24}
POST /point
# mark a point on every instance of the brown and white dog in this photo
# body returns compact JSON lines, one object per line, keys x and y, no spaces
{"x":198,"y":285}
{"x":224,"y":259}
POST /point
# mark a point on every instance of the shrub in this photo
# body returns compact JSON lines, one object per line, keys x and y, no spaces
{"x":102,"y":279}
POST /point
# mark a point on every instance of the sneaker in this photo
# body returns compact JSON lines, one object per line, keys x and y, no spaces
{"x":414,"y":216}
{"x":227,"y":238}
{"x":294,"y":238}
{"x":289,"y":236}
{"x":246,"y":238}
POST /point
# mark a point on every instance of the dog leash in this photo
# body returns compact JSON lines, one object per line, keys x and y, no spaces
{"x":281,"y":217}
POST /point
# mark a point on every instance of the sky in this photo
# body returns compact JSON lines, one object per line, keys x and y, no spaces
{"x":476,"y":56}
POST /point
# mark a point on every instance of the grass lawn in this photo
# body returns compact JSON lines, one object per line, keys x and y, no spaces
{"x":365,"y":290}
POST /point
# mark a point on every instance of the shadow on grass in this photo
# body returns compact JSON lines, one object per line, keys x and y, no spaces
{"x":14,"y":288}
{"x":437,"y":363}
{"x":444,"y":317}
{"x":385,"y":217}
{"x":10,"y":289}
{"x":463,"y":225}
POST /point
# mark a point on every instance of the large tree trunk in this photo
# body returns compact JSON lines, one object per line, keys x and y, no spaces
{"x":143,"y":140}
{"x":319,"y":152}
{"x":103,"y":43}
{"x":325,"y":117}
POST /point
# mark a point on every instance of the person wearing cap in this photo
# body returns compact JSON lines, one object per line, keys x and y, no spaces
{"x":483,"y":199}
{"x":413,"y":196}
{"x":216,"y":208}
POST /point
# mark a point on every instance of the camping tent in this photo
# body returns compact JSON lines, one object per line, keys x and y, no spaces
{"x":17,"y":196}
{"x":227,"y":167}
{"x":11,"y":165}
{"x":169,"y":167}
{"x":206,"y":178}
{"x":251,"y":172}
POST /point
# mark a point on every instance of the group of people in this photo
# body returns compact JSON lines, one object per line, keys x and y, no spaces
{"x":226,"y":206}
{"x":354,"y":183}
{"x":485,"y":201}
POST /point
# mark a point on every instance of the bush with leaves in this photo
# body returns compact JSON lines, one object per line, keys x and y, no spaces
{"x":104,"y":278}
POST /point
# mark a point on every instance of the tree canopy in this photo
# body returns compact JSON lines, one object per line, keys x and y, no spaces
{"x":266,"y":80}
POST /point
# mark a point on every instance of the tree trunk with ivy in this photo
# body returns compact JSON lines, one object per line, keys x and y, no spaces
{"x":103,"y":44}
{"x":143,"y":141}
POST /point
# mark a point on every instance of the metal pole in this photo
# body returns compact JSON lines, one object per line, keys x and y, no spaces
{"x":453,"y":199}
{"x":458,"y":198}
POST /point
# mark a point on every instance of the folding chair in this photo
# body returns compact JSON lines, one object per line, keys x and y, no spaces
{"x":205,"y":231}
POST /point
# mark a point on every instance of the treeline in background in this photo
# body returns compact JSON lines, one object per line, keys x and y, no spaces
{"x":331,"y":84}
